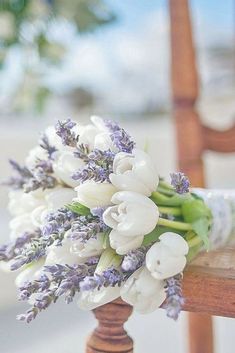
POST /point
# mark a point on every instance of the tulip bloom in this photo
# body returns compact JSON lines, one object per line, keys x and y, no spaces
{"x":133,"y":215}
{"x":89,"y":300}
{"x":143,"y":291}
{"x":65,"y":165}
{"x":134,"y":172}
{"x":166,"y":258}
{"x":92,"y":194}
{"x":123,"y":244}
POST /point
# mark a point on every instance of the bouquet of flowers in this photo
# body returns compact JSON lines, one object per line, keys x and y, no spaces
{"x":92,"y":219}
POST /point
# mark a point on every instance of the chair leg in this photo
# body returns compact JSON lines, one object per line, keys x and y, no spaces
{"x":200,"y":328}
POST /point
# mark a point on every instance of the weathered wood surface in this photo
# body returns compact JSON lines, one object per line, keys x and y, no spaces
{"x":209,"y":283}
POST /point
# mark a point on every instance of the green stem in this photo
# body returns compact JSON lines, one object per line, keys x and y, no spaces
{"x":157,"y":196}
{"x":165,"y":191}
{"x":194,"y":241}
{"x":175,"y":211}
{"x":165,"y":185}
{"x":174,"y":224}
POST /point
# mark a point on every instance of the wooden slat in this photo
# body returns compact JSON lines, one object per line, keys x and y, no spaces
{"x":209,"y":284}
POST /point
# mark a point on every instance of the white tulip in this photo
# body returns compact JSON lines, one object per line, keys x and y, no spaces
{"x":103,"y":142}
{"x":21,"y":224}
{"x":53,"y":138}
{"x":87,"y":135}
{"x":92,"y":247}
{"x":122,"y":244}
{"x":92,"y":194}
{"x":166,"y":258}
{"x":134,"y":215}
{"x":21,"y":202}
{"x":64,"y":165}
{"x":38,"y":216}
{"x":99,"y":123}
{"x":134,"y":172}
{"x":59,"y":197}
{"x":62,"y":255}
{"x":29,"y":273}
{"x":143,"y":292}
{"x":34,"y":155}
{"x":89,"y":300}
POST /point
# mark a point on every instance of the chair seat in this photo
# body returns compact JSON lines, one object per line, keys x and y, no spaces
{"x":209,"y":283}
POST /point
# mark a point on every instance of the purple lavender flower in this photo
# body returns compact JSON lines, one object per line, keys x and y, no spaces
{"x":133,"y":260}
{"x":99,"y":165}
{"x":109,"y":278}
{"x":64,"y":131}
{"x":14,"y":248}
{"x":120,"y":138}
{"x":41,"y":177}
{"x":86,"y":227}
{"x":23,"y":175}
{"x":180,"y":182}
{"x":174,"y":298}
{"x":57,"y":223}
{"x":82,"y":151}
{"x":45,"y":144}
{"x":61,"y":280}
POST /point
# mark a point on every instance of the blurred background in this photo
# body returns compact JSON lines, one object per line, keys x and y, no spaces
{"x":75,"y":58}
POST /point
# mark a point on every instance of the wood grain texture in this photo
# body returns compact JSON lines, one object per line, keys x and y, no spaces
{"x":209,"y":283}
{"x":190,"y":137}
{"x":110,"y":336}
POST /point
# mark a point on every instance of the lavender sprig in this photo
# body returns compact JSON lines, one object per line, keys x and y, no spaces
{"x":57,"y":223}
{"x":64,"y":131}
{"x":61,"y":280}
{"x":109,"y":278}
{"x":14,"y":248}
{"x":98,"y":167}
{"x":134,"y":259}
{"x":180,"y":182}
{"x":22,"y":177}
{"x":45,"y":144}
{"x":120,"y":138}
{"x":174,"y":298}
{"x":87,"y":227}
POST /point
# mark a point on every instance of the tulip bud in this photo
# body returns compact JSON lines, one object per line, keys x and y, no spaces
{"x":92,"y":194}
{"x":166,"y":258}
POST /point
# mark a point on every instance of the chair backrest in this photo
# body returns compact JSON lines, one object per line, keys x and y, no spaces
{"x":193,"y":138}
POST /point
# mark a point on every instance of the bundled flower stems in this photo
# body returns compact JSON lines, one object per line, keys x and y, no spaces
{"x":92,"y":220}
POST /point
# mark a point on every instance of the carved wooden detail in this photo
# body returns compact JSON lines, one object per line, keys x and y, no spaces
{"x":110,"y":336}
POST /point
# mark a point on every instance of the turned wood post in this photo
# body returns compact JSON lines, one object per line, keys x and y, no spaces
{"x":110,"y":336}
{"x":190,"y":135}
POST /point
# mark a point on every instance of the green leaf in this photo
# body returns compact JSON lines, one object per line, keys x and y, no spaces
{"x":201,"y":228}
{"x":105,"y":242}
{"x":195,"y":209}
{"x":155,"y":234}
{"x":78,"y":208}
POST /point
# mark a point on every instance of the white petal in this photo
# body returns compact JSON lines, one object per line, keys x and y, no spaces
{"x":123,"y":244}
{"x":89,"y":300}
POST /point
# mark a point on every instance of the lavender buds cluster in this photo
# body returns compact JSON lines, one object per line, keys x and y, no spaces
{"x":174,"y":298}
{"x":65,"y":132}
{"x":180,"y":182}
{"x":120,"y":138}
{"x":61,"y":280}
{"x":111,"y":277}
{"x":99,"y":165}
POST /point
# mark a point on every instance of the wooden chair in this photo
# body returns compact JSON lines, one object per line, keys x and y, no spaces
{"x":209,"y":282}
